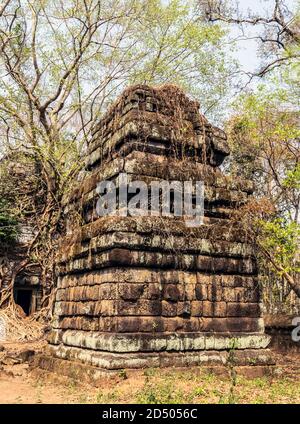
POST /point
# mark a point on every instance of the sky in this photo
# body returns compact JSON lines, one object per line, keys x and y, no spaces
{"x":247,"y":53}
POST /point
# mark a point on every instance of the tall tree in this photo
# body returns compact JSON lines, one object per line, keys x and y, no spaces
{"x":264,"y":134}
{"x":264,"y":129}
{"x":277,"y":29}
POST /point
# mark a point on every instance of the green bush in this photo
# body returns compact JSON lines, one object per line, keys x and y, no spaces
{"x":8,"y":224}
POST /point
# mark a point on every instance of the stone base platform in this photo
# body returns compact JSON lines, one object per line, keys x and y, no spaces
{"x":96,"y":357}
{"x":249,"y":363}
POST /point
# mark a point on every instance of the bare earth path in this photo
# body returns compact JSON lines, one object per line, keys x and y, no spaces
{"x":19,"y":385}
{"x":22,"y":390}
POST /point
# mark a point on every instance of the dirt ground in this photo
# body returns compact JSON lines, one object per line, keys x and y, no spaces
{"x":19,"y":384}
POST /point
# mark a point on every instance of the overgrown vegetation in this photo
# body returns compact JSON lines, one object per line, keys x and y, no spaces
{"x":62,"y":63}
{"x":264,"y":135}
{"x":195,"y":386}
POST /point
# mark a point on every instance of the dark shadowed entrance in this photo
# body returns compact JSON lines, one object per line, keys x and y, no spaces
{"x":23,"y":298}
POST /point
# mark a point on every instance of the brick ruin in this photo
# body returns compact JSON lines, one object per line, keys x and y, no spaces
{"x":149,"y":291}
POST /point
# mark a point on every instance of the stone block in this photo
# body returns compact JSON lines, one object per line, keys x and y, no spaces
{"x":132,"y":292}
{"x":169,"y":309}
{"x":197,"y":308}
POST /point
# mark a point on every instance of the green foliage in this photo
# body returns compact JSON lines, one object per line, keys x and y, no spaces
{"x":266,"y":114}
{"x":281,"y":238}
{"x":292,"y":179}
{"x":8,"y":224}
{"x":123,"y":374}
{"x":178,"y":47}
{"x":264,"y":136}
{"x":159,"y":393}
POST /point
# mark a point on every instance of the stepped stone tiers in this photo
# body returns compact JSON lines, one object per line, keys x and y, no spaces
{"x":150,"y":291}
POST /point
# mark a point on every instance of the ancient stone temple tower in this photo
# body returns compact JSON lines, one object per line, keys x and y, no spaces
{"x":151,"y":291}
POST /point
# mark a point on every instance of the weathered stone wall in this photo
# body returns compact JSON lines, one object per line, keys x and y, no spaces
{"x":131,"y":288}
